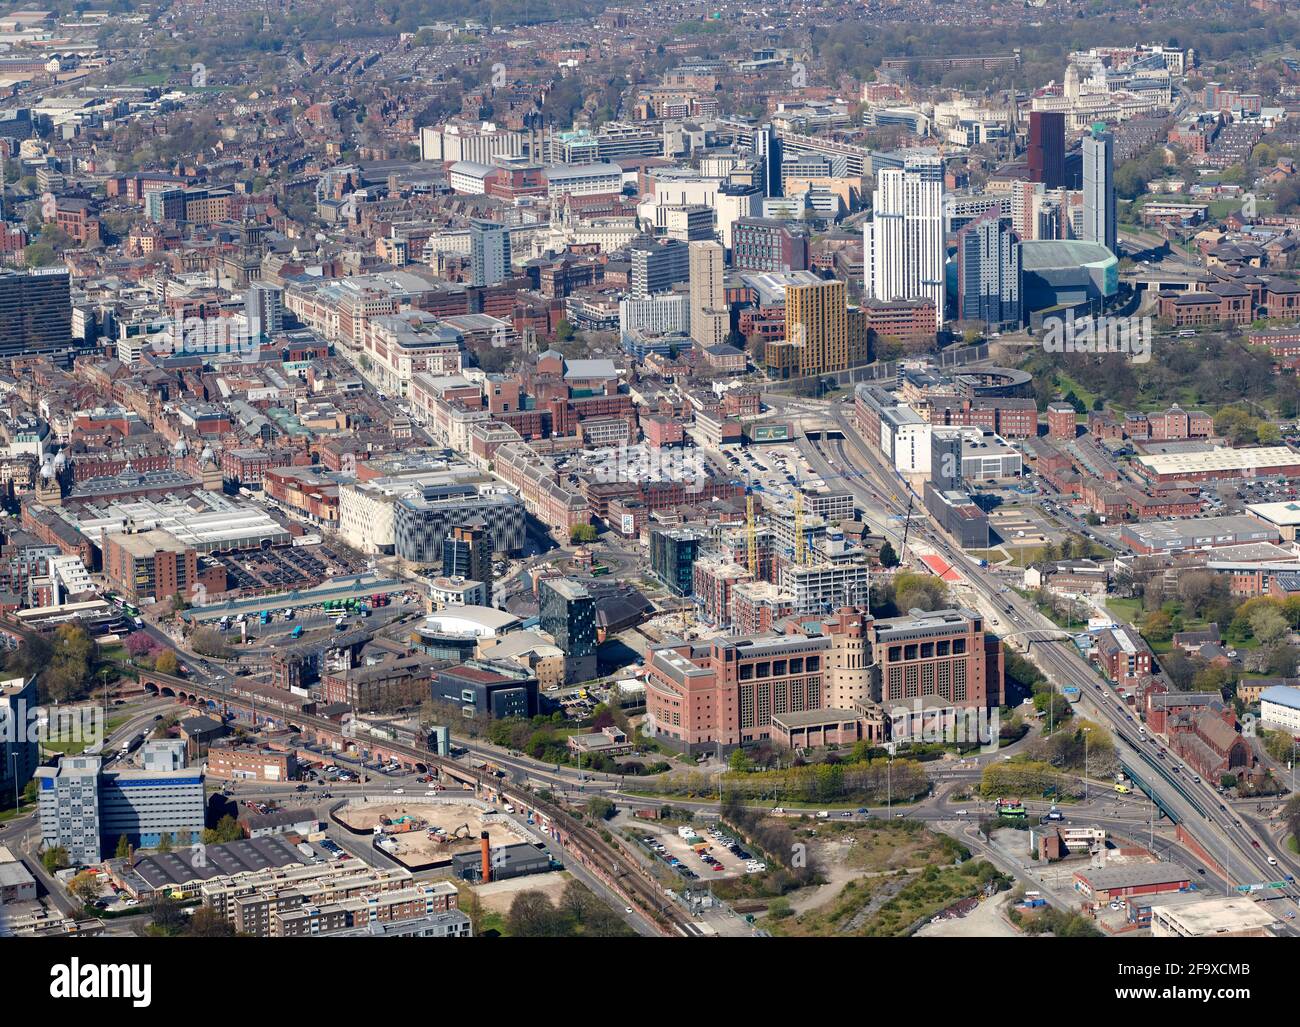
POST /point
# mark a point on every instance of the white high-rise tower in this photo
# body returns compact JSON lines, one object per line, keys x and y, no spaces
{"x":903,"y":247}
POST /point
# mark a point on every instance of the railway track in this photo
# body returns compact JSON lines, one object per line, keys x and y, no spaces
{"x":622,"y":872}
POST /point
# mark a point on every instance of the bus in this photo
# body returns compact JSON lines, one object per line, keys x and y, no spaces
{"x":1011,"y":809}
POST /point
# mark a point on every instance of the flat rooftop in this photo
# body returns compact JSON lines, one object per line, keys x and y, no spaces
{"x":1224,"y":914}
{"x":1136,"y":875}
{"x":1241,"y":460}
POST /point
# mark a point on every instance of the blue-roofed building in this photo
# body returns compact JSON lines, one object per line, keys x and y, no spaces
{"x":87,"y":809}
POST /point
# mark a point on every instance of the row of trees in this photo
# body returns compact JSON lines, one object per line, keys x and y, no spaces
{"x":867,"y":782}
{"x":579,"y":913}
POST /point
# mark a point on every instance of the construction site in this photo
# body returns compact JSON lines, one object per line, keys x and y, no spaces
{"x":427,"y":834}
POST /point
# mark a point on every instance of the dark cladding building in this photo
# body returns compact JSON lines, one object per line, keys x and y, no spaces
{"x":568,"y":615}
{"x":35,"y":312}
{"x":467,"y":553}
{"x":1046,"y":154}
{"x":765,"y":244}
{"x":673,"y":552}
{"x":487,"y":688}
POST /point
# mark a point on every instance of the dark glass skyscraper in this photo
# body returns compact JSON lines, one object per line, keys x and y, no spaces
{"x":1047,"y":148}
{"x":35,"y":312}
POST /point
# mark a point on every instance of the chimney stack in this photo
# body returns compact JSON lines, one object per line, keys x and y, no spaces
{"x":486,"y":876}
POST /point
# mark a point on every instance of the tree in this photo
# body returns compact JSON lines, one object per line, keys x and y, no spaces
{"x":55,"y":858}
{"x":532,"y":915}
{"x":165,"y":916}
{"x":739,"y":762}
{"x":1179,"y":668}
{"x":208,"y":642}
{"x":166,"y":663}
{"x":165,"y":842}
{"x":888,"y":558}
{"x":599,"y":808}
{"x":207,"y":922}
{"x":123,"y":850}
{"x":84,"y":887}
{"x":227,"y":830}
{"x":563,"y":331}
{"x":582,"y":533}
{"x":139,"y":644}
{"x":1268,"y":625}
{"x":1158,"y":626}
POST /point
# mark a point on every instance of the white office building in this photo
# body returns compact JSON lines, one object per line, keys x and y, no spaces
{"x":664,"y":313}
{"x":903,"y":244}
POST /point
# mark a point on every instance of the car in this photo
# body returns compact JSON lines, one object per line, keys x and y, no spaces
{"x":1201,"y":871}
{"x":899,"y":816}
{"x":1255,"y":844}
{"x":963,"y":813}
{"x":1272,"y":861}
{"x":1290,"y":914}
{"x":399,"y":791}
{"x":627,"y":909}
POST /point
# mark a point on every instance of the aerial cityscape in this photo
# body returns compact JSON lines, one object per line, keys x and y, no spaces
{"x":686,"y":470}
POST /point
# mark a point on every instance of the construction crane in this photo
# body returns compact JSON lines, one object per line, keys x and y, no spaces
{"x":751,"y":536}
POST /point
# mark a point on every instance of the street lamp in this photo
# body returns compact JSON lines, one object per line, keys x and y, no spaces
{"x":889,"y":784}
{"x":1085,"y":763}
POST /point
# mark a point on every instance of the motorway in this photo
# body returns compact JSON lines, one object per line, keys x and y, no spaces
{"x":1236,"y":839}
